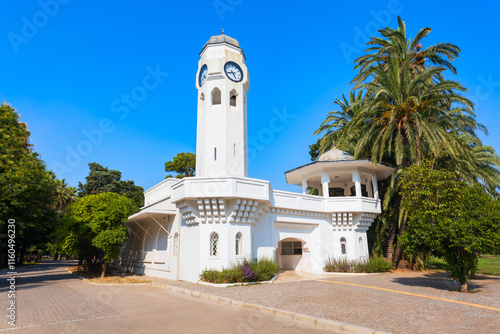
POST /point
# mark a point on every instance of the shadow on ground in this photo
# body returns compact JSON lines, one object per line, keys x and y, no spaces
{"x":440,"y":281}
{"x":36,"y":275}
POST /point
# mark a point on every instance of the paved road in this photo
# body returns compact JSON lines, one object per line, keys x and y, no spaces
{"x":399,"y":302}
{"x":51,"y":300}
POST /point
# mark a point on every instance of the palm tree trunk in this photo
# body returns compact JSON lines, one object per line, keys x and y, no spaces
{"x":390,"y":241}
{"x":402,"y":227}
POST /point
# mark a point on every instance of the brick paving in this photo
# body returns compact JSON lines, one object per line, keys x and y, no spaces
{"x":51,"y":300}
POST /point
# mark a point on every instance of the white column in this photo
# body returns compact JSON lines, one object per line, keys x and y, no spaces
{"x":375,"y":186}
{"x":347,"y":190}
{"x":325,"y":179}
{"x":304,"y":185}
{"x":369,"y":187}
{"x":356,"y":178}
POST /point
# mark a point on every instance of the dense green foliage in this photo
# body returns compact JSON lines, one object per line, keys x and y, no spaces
{"x":372,"y":265}
{"x":248,"y":271}
{"x":102,"y":180}
{"x":449,"y":218}
{"x":93,"y":226}
{"x":184,"y":164}
{"x":28,"y":190}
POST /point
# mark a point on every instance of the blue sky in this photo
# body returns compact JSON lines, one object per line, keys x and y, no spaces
{"x":67,"y":65}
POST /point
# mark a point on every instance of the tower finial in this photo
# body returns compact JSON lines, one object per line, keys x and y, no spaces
{"x":223,"y":31}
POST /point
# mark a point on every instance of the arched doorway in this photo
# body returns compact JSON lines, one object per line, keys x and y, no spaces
{"x":289,"y":253}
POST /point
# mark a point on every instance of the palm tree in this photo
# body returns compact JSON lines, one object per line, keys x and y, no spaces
{"x":410,"y":112}
{"x":336,"y":121}
{"x":397,"y":45}
{"x":407,"y":118}
{"x":65,"y":195}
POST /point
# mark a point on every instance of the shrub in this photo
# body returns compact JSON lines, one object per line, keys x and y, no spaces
{"x":378,"y":265}
{"x":266,"y":268}
{"x":340,"y":265}
{"x":373,"y":265}
{"x":248,"y":271}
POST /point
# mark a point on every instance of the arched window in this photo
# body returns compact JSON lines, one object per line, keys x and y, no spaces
{"x":176,"y":244}
{"x":361,"y":247}
{"x":214,"y":244}
{"x":239,"y":244}
{"x":216,"y":96}
{"x":232,"y":98}
{"x":343,"y":246}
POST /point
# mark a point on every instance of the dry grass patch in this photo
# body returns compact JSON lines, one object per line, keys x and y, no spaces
{"x":112,"y":276}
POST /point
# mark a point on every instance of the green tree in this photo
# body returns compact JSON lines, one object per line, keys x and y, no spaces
{"x":94,"y":223}
{"x":27,"y":188}
{"x":334,"y":126}
{"x":184,"y":164}
{"x":102,"y":180}
{"x":449,"y":218}
{"x":65,"y":195}
{"x":409,"y":112}
{"x":130,"y":190}
{"x":394,"y":44}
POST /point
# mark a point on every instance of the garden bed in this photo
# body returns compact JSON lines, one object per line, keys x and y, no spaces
{"x":372,"y":265}
{"x":253,"y":271}
{"x":112,"y":276}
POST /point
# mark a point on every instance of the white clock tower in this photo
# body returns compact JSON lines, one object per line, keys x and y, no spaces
{"x":222,"y":83}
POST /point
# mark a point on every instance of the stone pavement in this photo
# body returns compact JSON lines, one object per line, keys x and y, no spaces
{"x":49,"y":299}
{"x":399,"y":302}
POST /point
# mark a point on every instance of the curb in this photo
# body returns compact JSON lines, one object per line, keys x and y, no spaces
{"x":333,"y":325}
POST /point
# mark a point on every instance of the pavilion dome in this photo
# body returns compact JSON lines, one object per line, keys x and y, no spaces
{"x":335,"y":155}
{"x":223,"y":39}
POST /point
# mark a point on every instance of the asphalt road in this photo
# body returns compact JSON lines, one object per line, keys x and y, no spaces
{"x":49,"y":299}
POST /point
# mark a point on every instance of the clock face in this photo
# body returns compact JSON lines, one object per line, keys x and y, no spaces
{"x":233,"y":71}
{"x":203,"y":75}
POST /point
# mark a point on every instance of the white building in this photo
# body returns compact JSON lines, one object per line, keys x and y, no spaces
{"x":221,"y":215}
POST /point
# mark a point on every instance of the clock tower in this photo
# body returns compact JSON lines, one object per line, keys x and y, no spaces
{"x":222,"y":83}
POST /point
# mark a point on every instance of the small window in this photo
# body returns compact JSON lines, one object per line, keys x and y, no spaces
{"x":234,"y":149}
{"x":214,"y":244}
{"x":239,"y":243}
{"x":232,"y":98}
{"x":216,"y":99}
{"x":343,"y":246}
{"x":215,"y":153}
{"x":291,"y":248}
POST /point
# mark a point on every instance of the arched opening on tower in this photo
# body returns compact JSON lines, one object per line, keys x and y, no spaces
{"x":216,"y":96}
{"x":232,"y":98}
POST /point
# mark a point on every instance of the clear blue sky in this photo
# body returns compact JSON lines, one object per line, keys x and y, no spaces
{"x":65,"y":68}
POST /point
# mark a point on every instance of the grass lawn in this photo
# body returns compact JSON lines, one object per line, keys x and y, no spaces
{"x":112,"y":277}
{"x":488,"y":264}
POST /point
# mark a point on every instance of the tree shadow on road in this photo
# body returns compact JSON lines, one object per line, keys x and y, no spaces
{"x":440,"y":281}
{"x":29,"y":277}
